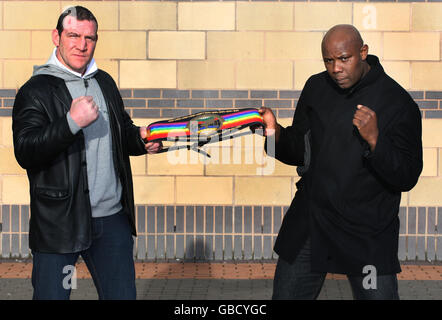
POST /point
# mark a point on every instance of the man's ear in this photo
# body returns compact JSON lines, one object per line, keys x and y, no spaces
{"x":55,"y":37}
{"x":364,"y":52}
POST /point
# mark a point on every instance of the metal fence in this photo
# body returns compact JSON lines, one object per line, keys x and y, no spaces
{"x":224,"y":232}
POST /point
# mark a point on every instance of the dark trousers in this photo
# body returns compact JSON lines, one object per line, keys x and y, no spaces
{"x":296,"y":281}
{"x":109,"y":260}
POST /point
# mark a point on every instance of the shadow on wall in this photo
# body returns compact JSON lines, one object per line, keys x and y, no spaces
{"x":197,"y":250}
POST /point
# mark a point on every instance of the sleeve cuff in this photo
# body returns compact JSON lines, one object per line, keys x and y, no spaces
{"x":72,"y":125}
{"x":377,"y":152}
{"x":273,"y":152}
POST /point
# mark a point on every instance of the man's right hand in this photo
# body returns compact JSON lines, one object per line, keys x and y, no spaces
{"x":84,"y":111}
{"x":271,"y":125}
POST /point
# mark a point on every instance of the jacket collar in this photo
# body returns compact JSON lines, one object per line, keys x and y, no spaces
{"x":61,"y":92}
{"x":372,"y":75}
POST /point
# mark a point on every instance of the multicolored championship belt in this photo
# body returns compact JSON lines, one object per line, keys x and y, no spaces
{"x":203,"y":127}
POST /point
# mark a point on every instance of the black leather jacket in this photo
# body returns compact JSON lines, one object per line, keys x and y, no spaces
{"x":55,"y":161}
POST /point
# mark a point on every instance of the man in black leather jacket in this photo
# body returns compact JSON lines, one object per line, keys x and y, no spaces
{"x":74,"y":138}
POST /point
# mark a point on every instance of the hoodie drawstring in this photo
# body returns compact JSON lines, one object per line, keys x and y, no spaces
{"x":86,"y":85}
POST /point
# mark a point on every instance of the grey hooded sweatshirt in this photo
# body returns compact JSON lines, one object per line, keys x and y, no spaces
{"x":104,"y":185}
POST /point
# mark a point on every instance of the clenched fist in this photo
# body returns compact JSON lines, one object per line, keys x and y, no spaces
{"x":366,"y":121}
{"x":84,"y":111}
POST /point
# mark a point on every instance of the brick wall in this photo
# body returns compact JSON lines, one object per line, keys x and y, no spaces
{"x":173,"y":58}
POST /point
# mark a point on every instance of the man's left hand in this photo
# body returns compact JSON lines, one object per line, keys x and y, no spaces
{"x":151,"y":147}
{"x":366,"y":121}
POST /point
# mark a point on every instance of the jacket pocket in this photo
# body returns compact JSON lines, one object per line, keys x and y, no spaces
{"x":51,"y":193}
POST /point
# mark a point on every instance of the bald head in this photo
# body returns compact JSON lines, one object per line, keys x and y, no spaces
{"x":344,"y":55}
{"x":343,"y":33}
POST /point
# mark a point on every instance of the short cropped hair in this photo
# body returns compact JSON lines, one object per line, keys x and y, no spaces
{"x":80,"y":13}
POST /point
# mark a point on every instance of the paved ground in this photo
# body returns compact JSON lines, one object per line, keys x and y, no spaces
{"x":216,"y":281}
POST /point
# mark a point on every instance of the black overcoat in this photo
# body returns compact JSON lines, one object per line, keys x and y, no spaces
{"x":348,"y":197}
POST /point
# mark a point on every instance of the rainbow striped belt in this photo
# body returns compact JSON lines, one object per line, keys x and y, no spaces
{"x":203,"y":126}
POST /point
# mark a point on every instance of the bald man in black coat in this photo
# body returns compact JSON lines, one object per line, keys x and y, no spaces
{"x":356,"y":139}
